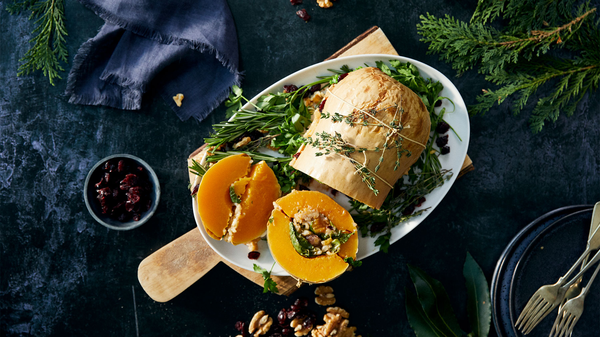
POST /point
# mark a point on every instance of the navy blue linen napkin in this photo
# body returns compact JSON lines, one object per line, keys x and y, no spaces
{"x":184,"y":46}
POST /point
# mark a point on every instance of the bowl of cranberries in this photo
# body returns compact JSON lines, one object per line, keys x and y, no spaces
{"x":121,"y":192}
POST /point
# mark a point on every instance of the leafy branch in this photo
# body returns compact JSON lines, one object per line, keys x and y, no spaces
{"x":49,"y":48}
{"x":523,"y":56}
{"x":430,"y":313}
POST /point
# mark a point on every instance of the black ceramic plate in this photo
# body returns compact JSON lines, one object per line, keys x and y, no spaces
{"x":509,"y":274}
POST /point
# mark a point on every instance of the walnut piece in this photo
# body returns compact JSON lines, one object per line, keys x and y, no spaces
{"x":178,"y":99}
{"x":261,"y":323}
{"x":299,"y":329}
{"x":336,"y":324}
{"x":325,"y":296}
{"x":242,"y":142}
{"x":324,"y":3}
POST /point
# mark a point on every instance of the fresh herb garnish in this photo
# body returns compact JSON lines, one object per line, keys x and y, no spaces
{"x":353,"y":263}
{"x":234,"y":197}
{"x":300,"y":244}
{"x":49,"y":48}
{"x":197,"y":168}
{"x":558,"y":46}
{"x":270,"y":285}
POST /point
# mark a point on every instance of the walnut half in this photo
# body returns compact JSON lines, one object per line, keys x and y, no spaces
{"x":261,"y":323}
{"x":325,"y":296}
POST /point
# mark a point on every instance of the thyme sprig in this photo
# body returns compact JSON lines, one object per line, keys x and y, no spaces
{"x":555,"y":47}
{"x":48,"y":50}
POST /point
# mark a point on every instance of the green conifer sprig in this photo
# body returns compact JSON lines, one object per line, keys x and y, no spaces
{"x":519,"y":58}
{"x":49,"y":44}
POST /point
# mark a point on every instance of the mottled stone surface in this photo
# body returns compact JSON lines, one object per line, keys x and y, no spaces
{"x":62,"y":274}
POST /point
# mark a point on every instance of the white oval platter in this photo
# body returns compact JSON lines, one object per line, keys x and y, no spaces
{"x":456,"y":115}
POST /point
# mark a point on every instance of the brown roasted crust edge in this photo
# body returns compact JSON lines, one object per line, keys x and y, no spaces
{"x":353,"y":42}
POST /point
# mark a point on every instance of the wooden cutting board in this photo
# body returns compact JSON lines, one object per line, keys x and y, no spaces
{"x":170,"y":270}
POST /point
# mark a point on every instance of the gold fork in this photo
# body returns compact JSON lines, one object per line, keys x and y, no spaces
{"x":548,"y":297}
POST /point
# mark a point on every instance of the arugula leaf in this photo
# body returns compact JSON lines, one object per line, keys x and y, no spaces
{"x":435,"y":303}
{"x":234,"y":102}
{"x":270,"y":285}
{"x":479,"y":308}
{"x":353,"y":263}
{"x":383,"y":241}
{"x":234,"y":197}
{"x":301,"y":245}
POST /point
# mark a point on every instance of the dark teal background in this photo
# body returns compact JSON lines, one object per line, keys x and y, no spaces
{"x":62,"y":274}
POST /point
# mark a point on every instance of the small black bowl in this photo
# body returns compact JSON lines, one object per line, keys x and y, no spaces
{"x":96,"y":174}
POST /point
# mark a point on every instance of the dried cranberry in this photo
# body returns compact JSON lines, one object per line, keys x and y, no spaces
{"x":295,"y":2}
{"x":342,"y":76}
{"x":438,"y":103}
{"x":240,"y":326}
{"x":292,"y":314}
{"x":302,"y":14}
{"x":314,"y":88}
{"x":296,"y":155}
{"x":441,"y":141}
{"x":136,"y":217}
{"x":287,"y":331}
{"x":420,"y":201}
{"x":442,"y":127}
{"x":133,"y":198}
{"x":308,"y":323}
{"x":195,"y":189}
{"x":289,"y":88}
{"x":253,"y":255}
{"x":282,"y":317}
{"x":100,"y":183}
{"x":408,"y":210}
{"x":121,"y":166}
{"x":445,"y":150}
{"x":322,"y":104}
{"x":377,"y":227}
{"x":301,"y":302}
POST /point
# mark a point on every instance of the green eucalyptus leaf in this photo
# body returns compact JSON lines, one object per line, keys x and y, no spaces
{"x":479,"y":307}
{"x":417,"y":318}
{"x":435,"y":302}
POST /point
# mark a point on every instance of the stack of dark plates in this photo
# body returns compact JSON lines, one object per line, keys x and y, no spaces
{"x":540,"y":254}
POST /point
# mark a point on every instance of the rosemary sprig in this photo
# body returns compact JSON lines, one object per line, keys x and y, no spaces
{"x":48,"y":50}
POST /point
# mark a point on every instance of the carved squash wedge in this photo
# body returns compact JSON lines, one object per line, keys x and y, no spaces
{"x":317,"y":269}
{"x":257,"y":188}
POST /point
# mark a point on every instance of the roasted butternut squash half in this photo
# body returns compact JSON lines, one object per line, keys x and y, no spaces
{"x":235,"y":199}
{"x":310,"y":236}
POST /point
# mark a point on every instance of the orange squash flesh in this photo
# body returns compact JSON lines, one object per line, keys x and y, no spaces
{"x":257,"y":203}
{"x":316,"y":269}
{"x":213,"y":198}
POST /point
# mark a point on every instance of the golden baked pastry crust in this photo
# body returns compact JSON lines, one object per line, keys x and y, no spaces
{"x":367,"y":92}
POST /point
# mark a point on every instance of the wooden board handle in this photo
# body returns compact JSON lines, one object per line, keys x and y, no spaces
{"x":172,"y":269}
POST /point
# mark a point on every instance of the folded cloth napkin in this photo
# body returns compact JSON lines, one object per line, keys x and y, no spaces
{"x":184,"y":46}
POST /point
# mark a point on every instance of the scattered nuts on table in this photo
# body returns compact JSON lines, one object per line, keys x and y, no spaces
{"x":261,"y":323}
{"x":336,"y":324}
{"x":178,"y":99}
{"x":300,"y":328}
{"x":324,"y":3}
{"x":325,"y":296}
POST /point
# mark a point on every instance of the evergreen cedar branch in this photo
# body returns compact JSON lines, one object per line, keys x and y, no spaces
{"x":48,"y":50}
{"x":521,"y":57}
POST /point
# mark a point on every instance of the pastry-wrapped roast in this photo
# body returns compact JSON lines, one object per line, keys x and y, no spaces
{"x":367,"y":134}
